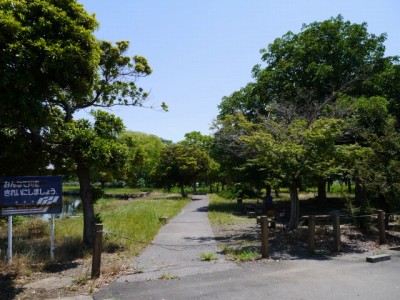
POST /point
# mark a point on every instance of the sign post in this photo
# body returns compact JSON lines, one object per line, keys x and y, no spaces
{"x":9,"y":249}
{"x":30,"y":195}
{"x":52,"y":237}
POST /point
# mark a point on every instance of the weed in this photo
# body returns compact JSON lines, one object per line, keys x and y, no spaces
{"x":207,"y":256}
{"x":242,"y":254}
{"x":81,"y":279}
{"x":167,"y":276}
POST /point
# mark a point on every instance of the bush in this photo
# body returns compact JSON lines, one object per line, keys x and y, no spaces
{"x":227,"y":194}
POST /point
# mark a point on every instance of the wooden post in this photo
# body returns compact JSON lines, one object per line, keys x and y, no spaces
{"x":336,"y":233}
{"x":264,"y":237}
{"x":381,"y":227}
{"x":97,"y":245}
{"x":311,"y":233}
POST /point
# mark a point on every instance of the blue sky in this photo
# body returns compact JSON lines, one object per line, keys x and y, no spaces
{"x":202,"y":50}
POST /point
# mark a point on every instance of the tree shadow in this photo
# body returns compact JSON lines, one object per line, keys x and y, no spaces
{"x":8,"y":290}
{"x":59,"y":267}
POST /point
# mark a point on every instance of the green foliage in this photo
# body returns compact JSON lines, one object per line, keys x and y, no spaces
{"x":227,"y":194}
{"x":144,"y":155}
{"x":47,"y":47}
{"x":181,"y":165}
{"x":242,"y":254}
{"x":196,"y":139}
{"x":310,"y":116}
{"x":224,"y":211}
{"x":207,"y":256}
{"x":303,"y":73}
{"x":131,"y":224}
{"x":18,"y":220}
{"x":52,"y":66}
{"x":134,"y":224}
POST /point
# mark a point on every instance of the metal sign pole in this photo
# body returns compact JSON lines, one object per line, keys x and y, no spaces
{"x":52,"y":237}
{"x":9,"y":250}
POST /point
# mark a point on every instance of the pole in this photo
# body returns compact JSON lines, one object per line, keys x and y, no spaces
{"x":336,"y":232}
{"x":52,"y":237}
{"x":97,"y":245}
{"x":311,"y":233}
{"x":381,"y":227}
{"x":264,"y":237}
{"x":9,"y":250}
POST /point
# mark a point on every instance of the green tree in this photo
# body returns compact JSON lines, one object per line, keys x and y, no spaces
{"x":234,"y":156}
{"x":53,"y":66}
{"x":305,"y":79}
{"x":181,"y":165}
{"x":304,"y":72}
{"x":196,"y":139}
{"x":144,"y":155}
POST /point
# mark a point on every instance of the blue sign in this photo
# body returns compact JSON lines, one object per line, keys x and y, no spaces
{"x":30,"y":195}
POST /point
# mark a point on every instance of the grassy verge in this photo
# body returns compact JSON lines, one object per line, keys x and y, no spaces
{"x":228,"y":217}
{"x":129,"y":227}
{"x":223,"y":211}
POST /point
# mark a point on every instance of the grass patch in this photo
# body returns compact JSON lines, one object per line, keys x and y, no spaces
{"x":242,"y":254}
{"x":223,"y":211}
{"x":131,"y":225}
{"x":207,"y":256}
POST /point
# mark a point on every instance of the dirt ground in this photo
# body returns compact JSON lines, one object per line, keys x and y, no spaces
{"x":293,"y":245}
{"x":243,"y":235}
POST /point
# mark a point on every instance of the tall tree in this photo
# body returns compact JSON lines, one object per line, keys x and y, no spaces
{"x":181,"y":165}
{"x":301,"y":79}
{"x":144,"y":155}
{"x":304,"y":72}
{"x":53,"y":66}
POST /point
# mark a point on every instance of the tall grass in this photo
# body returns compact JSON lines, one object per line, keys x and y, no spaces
{"x":134,"y":225}
{"x":129,"y":226}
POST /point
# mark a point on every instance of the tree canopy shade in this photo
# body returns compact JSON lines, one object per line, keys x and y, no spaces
{"x":317,"y":106}
{"x":51,"y":66}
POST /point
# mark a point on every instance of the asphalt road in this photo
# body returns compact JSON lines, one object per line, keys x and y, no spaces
{"x":176,"y":252}
{"x":333,"y":279}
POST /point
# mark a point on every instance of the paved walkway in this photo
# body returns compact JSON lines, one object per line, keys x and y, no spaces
{"x":176,"y":253}
{"x":177,"y":249}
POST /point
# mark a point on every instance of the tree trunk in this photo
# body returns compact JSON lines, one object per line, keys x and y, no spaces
{"x":348,"y":181}
{"x":358,"y":191}
{"x":268,"y":191}
{"x":362,"y":201}
{"x":322,"y":190}
{"x":294,"y":207}
{"x":86,"y":194}
{"x":183,"y":191}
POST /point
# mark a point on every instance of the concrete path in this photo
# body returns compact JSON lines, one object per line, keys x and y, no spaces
{"x":175,"y":255}
{"x":177,"y":249}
